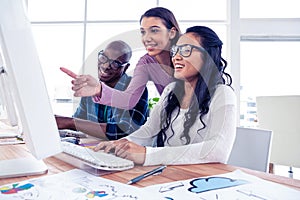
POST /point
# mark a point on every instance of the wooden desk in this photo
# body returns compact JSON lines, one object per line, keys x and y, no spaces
{"x":171,"y":173}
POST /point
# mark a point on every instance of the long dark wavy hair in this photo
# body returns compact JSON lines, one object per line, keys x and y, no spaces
{"x":212,"y":74}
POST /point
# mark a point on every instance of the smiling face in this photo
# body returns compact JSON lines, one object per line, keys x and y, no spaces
{"x":187,"y":68}
{"x":155,"y":35}
{"x":108,"y":74}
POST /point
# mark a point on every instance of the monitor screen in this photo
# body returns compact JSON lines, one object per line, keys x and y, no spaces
{"x":25,"y":78}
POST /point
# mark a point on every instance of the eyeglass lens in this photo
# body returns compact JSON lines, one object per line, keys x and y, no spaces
{"x":102,"y":59}
{"x":184,"y":51}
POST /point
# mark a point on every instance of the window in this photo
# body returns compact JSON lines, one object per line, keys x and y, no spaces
{"x":269,"y":68}
{"x":56,"y":10}
{"x":117,"y":10}
{"x":270,"y":39}
{"x":269,"y":9}
{"x":274,"y":65}
{"x":59,"y":45}
{"x":201,"y":10}
{"x":69,"y":33}
{"x":268,"y":46}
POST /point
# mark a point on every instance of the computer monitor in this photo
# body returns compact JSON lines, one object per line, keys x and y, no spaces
{"x":26,"y":81}
{"x":281,"y":114}
{"x":9,"y":113}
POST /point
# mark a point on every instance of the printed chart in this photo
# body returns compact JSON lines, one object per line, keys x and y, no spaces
{"x":74,"y":184}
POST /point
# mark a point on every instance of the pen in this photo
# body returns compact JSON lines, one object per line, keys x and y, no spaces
{"x":152,"y":172}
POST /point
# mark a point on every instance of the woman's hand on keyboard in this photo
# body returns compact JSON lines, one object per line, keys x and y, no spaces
{"x":124,"y":149}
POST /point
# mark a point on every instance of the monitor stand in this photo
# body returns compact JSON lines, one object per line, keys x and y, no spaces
{"x":22,"y":167}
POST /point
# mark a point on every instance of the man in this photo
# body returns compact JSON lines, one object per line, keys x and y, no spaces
{"x":104,"y":121}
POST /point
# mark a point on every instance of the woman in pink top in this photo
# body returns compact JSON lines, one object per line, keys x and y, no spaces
{"x":159,"y":30}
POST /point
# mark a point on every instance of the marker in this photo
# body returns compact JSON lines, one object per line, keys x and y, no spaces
{"x":150,"y":173}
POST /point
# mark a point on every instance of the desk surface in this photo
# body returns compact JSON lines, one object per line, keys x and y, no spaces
{"x":171,"y":173}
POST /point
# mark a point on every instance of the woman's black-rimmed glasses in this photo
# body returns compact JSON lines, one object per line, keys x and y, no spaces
{"x":185,"y":50}
{"x":114,"y":64}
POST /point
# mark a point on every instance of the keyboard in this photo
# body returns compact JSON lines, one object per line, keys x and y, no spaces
{"x":87,"y":159}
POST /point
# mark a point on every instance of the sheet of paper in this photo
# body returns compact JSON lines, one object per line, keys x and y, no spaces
{"x":77,"y":184}
{"x":231,"y":186}
{"x":74,"y":184}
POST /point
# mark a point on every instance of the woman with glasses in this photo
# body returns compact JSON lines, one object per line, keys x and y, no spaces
{"x":195,"y":119}
{"x":159,"y":31}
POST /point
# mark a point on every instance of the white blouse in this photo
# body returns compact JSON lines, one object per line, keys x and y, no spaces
{"x":212,"y":144}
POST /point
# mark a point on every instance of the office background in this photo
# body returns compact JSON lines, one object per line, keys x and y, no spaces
{"x":261,"y":41}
